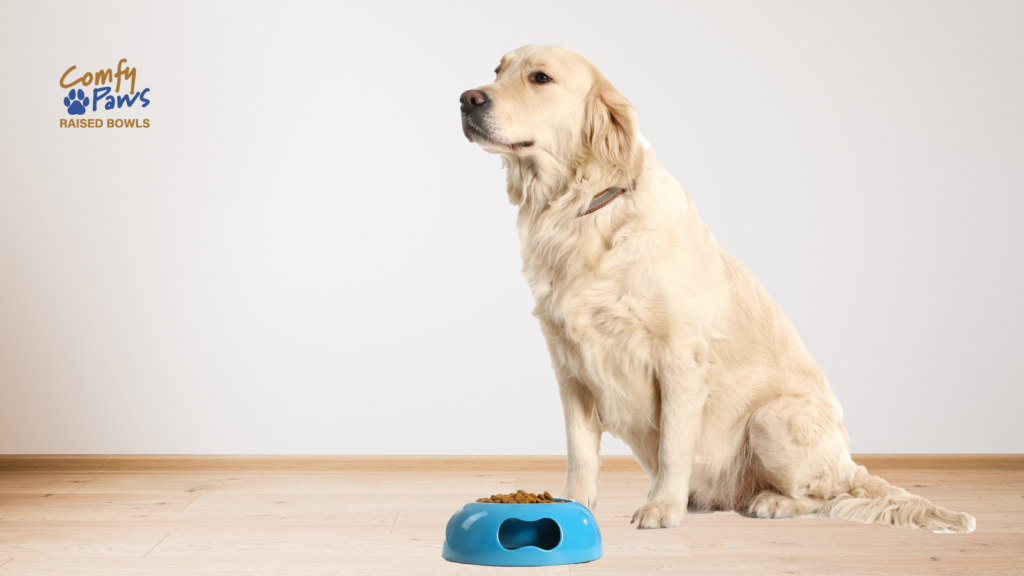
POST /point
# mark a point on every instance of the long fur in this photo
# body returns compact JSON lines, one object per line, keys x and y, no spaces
{"x":659,"y":336}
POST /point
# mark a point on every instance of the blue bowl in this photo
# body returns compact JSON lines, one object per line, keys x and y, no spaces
{"x":522,"y":534}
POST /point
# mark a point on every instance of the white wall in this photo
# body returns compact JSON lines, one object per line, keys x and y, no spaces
{"x":304,"y":255}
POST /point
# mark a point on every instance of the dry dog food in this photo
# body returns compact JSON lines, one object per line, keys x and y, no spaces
{"x":521,"y":497}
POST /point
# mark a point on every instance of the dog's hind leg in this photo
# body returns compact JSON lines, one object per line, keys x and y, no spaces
{"x":798,"y":441}
{"x":771,"y":504}
{"x":801,"y":445}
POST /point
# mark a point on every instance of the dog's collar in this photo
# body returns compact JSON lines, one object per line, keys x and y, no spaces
{"x":602,"y":200}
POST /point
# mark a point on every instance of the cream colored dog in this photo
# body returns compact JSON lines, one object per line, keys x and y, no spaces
{"x":656,"y":334}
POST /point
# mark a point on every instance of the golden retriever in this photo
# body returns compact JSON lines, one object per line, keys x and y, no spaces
{"x":656,"y":334}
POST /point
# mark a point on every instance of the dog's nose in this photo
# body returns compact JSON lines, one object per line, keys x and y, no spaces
{"x":473,"y":100}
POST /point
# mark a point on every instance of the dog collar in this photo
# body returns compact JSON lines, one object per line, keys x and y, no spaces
{"x":602,"y":200}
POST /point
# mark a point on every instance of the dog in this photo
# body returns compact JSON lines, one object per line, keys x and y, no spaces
{"x":656,"y":334}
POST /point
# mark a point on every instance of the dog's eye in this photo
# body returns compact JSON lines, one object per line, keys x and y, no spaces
{"x":540,"y":78}
{"x":497,"y":70}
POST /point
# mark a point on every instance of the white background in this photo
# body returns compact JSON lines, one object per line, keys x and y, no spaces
{"x":304,"y":255}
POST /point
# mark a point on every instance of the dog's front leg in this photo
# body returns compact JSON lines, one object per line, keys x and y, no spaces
{"x":583,"y":442}
{"x":683,"y":393}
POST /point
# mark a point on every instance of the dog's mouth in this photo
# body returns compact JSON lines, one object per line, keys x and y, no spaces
{"x":479,"y":134}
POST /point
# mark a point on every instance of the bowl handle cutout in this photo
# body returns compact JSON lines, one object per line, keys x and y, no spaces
{"x":515,"y":533}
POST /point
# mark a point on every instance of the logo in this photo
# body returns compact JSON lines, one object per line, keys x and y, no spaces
{"x":103,"y":97}
{"x":74,"y":103}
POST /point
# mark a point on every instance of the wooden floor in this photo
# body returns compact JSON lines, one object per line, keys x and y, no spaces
{"x":373,"y":522}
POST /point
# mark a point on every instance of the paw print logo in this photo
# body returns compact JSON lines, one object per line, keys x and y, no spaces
{"x":76,"y":106}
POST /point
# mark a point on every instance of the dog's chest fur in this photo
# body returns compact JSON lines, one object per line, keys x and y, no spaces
{"x":620,"y":291}
{"x":601,"y":308}
{"x":596,"y":336}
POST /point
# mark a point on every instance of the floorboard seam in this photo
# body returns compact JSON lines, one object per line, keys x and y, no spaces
{"x":82,"y":486}
{"x":190,"y":503}
{"x":157,"y":544}
{"x":687,"y":544}
{"x":944,"y":486}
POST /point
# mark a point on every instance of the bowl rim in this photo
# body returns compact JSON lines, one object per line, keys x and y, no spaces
{"x":566,"y":500}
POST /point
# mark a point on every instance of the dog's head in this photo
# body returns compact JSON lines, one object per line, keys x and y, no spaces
{"x":552,"y":104}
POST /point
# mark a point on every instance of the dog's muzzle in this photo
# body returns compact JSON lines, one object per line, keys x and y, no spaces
{"x":475,"y":105}
{"x":477,"y":124}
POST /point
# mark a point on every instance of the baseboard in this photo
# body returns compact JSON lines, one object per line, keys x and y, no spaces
{"x":296,"y":463}
{"x":992,"y":463}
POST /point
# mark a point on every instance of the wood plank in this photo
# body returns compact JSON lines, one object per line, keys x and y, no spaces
{"x":954,"y":479}
{"x":746,"y":566}
{"x":297,"y":542}
{"x":941,"y":462}
{"x":288,"y":483}
{"x":207,"y":512}
{"x":18,"y":540}
{"x":907,"y":564}
{"x":622,"y":540}
{"x":61,"y":508}
{"x":303,"y":510}
{"x":43,"y":483}
{"x":875,"y":541}
{"x":296,"y":566}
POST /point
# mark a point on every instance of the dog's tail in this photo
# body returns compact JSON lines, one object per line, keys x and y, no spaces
{"x":872,"y":500}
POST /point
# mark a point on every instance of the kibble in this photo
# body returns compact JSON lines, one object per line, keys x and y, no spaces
{"x":520,"y":497}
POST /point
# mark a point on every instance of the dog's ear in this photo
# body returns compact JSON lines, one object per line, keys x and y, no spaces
{"x":610,"y":130}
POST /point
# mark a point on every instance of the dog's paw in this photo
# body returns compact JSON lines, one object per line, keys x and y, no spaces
{"x":586,"y":497}
{"x":658,"y":515}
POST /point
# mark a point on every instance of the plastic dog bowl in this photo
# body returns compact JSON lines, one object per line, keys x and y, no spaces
{"x":522,"y":534}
